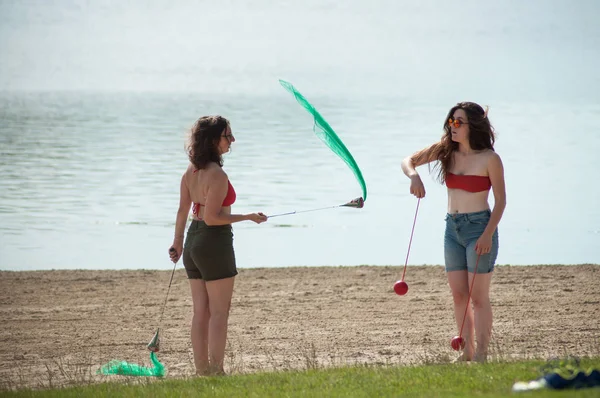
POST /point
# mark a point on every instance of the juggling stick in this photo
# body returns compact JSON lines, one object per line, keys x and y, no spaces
{"x":357,"y":203}
{"x":154,"y":344}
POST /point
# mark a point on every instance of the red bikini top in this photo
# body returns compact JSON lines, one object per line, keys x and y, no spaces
{"x":228,"y":201}
{"x":469,"y":183}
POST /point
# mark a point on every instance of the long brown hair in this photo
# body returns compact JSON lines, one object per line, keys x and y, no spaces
{"x":204,"y":139}
{"x":481,"y":136}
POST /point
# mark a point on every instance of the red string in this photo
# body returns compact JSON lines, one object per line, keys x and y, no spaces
{"x":196,"y":209}
{"x":196,"y":206}
{"x":411,"y":237}
{"x":469,"y":298}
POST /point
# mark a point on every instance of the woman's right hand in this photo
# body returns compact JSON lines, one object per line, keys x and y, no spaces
{"x":257,"y":217}
{"x":416,"y":186}
{"x":175,"y":251}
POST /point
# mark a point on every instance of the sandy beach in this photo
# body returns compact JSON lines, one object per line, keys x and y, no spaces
{"x":58,"y":327}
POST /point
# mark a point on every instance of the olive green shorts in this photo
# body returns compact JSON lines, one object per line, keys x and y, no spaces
{"x":208,"y":252}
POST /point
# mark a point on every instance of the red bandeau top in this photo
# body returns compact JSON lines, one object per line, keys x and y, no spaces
{"x":469,"y":183}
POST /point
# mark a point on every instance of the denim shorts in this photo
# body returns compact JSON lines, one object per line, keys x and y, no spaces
{"x":462,"y":232}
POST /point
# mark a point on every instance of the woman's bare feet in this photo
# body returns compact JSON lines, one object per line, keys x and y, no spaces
{"x":210,"y":371}
{"x":481,"y":358}
{"x":464,"y":357}
{"x":217,"y":372}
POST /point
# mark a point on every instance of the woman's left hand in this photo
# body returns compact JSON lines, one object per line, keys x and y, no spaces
{"x":484,"y":244}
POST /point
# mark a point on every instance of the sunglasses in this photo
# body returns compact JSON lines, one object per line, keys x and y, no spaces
{"x":228,"y":136}
{"x":456,"y":123}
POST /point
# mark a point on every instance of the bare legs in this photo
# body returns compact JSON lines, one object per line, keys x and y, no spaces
{"x":478,"y":320}
{"x":200,"y":318}
{"x":480,"y":298}
{"x":219,"y":293}
{"x":212,"y":301}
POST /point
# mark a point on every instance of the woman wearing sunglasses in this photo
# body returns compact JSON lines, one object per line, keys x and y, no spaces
{"x":208,"y":255}
{"x":466,"y":162}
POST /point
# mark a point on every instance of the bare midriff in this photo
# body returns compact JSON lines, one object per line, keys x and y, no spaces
{"x":460,"y":201}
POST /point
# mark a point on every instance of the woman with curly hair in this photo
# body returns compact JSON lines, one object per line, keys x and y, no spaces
{"x":469,"y":166}
{"x":208,"y":255}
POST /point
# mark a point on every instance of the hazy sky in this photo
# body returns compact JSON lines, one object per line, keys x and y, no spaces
{"x":525,"y":49}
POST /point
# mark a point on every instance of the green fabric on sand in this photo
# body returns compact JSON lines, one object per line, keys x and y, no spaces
{"x":131,"y":369}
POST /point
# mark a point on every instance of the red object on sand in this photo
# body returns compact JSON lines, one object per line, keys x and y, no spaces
{"x":457,"y":343}
{"x":400,"y":287}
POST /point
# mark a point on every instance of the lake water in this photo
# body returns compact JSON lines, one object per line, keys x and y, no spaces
{"x":95,"y":100}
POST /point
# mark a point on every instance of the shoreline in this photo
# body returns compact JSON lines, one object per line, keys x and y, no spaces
{"x":180,"y":266}
{"x":285,"y":318}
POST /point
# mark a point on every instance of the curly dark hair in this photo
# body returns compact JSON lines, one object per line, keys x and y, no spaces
{"x":481,"y":136}
{"x":204,"y":140}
